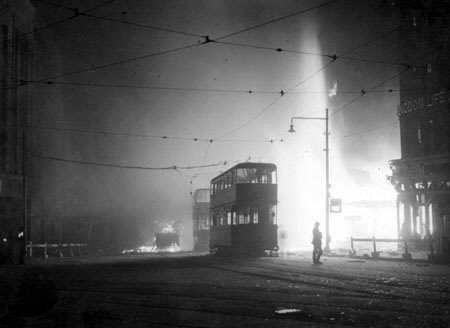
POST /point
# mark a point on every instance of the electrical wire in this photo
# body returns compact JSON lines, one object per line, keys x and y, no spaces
{"x":164,"y":168}
{"x":207,"y":40}
{"x":76,"y":13}
{"x":366,"y":131}
{"x":154,"y":87}
{"x":274,"y":20}
{"x":149,"y":87}
{"x":363,"y":92}
{"x":143,"y":25}
{"x":365,"y":60}
{"x":308,"y":78}
{"x":55,"y":4}
{"x":162,"y":137}
{"x":250,"y":120}
{"x":114,"y":133}
{"x":119,"y":62}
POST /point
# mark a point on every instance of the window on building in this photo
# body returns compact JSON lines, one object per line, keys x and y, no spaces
{"x":229,"y":218}
{"x":234,"y":218}
{"x":419,"y":133}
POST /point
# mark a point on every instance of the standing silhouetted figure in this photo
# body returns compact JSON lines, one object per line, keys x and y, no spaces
{"x":317,"y":243}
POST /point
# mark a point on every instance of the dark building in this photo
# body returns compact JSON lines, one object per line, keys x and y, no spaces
{"x":15,"y":55}
{"x":422,"y":175}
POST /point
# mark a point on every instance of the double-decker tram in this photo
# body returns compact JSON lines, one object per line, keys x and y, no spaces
{"x":243,"y":210}
{"x":200,"y":219}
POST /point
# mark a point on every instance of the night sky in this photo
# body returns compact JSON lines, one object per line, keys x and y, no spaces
{"x":150,"y":97}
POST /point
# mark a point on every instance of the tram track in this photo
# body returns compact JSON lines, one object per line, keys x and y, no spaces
{"x":348,"y":287}
{"x":210,"y":304}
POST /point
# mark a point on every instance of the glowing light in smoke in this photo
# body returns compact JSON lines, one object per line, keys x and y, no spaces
{"x":302,"y":164}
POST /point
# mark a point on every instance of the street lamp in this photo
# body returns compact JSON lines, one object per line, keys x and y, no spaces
{"x":327,"y":173}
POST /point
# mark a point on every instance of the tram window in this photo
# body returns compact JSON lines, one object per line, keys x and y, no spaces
{"x":273,"y":214}
{"x":241,"y":217}
{"x":227,"y":181}
{"x":264,"y":176}
{"x":247,"y":216}
{"x":233,"y":177}
{"x":234,"y":217}
{"x":202,"y":196}
{"x":255,"y":216}
{"x":253,"y":175}
{"x":229,"y":218}
{"x":273,"y":177}
{"x":242,"y":176}
{"x":203,"y":224}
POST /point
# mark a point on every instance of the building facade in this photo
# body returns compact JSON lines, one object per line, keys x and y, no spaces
{"x":422,"y":175}
{"x":15,"y":53}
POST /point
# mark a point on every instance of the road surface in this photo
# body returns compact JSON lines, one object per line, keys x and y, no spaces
{"x":188,"y":290}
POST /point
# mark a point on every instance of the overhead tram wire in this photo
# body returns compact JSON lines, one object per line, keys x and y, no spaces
{"x":274,"y":20}
{"x":136,"y":167}
{"x":217,"y":40}
{"x":349,"y":135}
{"x":282,"y":93}
{"x":206,"y":40}
{"x":365,"y":60}
{"x":123,"y":134}
{"x":76,"y":13}
{"x":54,"y":4}
{"x":147,"y":87}
{"x":364,"y":92}
{"x":144,"y":26}
{"x":154,"y":87}
{"x":123,"y":61}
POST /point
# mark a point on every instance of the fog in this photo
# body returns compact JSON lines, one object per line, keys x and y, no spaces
{"x":66,"y":191}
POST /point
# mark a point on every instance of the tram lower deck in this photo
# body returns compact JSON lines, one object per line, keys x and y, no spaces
{"x":246,"y":239}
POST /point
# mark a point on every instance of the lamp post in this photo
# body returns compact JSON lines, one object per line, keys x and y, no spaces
{"x":327,"y":173}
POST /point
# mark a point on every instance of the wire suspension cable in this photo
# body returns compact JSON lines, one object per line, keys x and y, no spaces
{"x":119,"y":62}
{"x":173,"y":167}
{"x":155,"y":87}
{"x":76,"y":13}
{"x":310,"y":77}
{"x":143,"y":25}
{"x":275,"y":20}
{"x":363,"y":92}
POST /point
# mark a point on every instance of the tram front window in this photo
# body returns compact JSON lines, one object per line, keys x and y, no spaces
{"x":242,"y":176}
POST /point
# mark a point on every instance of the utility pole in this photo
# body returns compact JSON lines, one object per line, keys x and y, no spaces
{"x":327,"y":173}
{"x":326,"y":250}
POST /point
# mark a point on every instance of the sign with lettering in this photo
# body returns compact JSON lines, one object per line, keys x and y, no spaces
{"x":410,"y":104}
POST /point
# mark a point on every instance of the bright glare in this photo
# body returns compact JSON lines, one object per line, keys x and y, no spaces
{"x":368,"y":200}
{"x":301,"y":172}
{"x":152,"y":249}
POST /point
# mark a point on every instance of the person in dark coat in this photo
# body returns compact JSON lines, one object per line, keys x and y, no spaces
{"x":317,"y":244}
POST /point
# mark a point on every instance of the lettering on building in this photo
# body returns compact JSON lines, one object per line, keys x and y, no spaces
{"x":409,"y":104}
